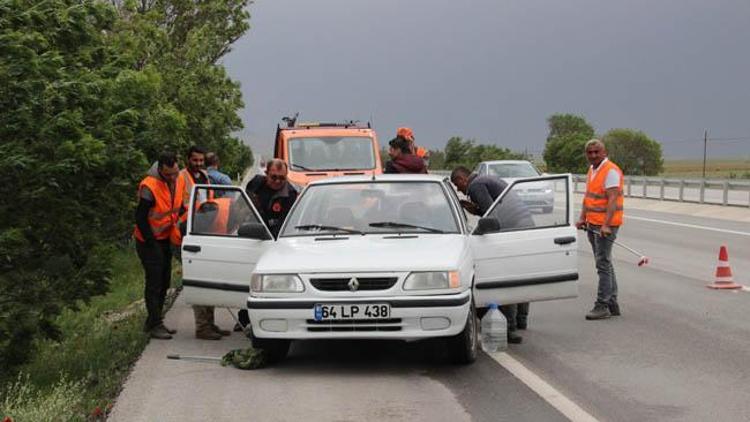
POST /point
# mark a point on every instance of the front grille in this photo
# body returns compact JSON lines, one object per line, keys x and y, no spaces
{"x":390,"y":324}
{"x":365,"y":283}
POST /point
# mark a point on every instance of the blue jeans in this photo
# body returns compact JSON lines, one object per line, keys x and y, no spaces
{"x":602,"y":247}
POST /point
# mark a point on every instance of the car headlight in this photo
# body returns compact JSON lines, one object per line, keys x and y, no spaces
{"x":276,"y":283}
{"x":547,"y":191}
{"x":432,"y":280}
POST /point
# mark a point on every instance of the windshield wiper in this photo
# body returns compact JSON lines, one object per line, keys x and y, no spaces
{"x":297,"y":166}
{"x":393,"y":224}
{"x":323,"y":227}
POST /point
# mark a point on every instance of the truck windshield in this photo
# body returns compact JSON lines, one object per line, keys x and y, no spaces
{"x":331,"y":153}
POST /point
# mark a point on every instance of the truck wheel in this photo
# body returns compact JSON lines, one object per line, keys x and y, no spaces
{"x":275,"y":349}
{"x":547,"y":210}
{"x":465,"y":345}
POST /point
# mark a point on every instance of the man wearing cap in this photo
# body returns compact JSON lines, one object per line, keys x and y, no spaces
{"x":402,"y":158}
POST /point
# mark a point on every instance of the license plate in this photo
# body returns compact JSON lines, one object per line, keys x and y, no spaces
{"x":324,"y":312}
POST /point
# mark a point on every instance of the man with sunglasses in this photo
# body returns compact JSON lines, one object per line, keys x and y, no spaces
{"x":272,"y":195}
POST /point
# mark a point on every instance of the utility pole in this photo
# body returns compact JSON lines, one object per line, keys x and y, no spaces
{"x":705,"y":144}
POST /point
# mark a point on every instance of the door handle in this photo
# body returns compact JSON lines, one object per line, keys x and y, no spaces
{"x":191,"y":248}
{"x":564,"y":240}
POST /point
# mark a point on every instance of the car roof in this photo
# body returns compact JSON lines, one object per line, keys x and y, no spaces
{"x":381,"y":178}
{"x":506,"y":162}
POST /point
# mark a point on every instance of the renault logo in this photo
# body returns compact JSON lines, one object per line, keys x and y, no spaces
{"x":353,"y":284}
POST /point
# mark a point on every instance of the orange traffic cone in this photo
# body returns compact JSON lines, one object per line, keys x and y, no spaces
{"x":724,"y":272}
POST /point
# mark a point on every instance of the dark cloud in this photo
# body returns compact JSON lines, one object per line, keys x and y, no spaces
{"x":494,"y":70}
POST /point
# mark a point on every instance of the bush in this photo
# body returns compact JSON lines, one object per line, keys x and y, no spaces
{"x":25,"y":402}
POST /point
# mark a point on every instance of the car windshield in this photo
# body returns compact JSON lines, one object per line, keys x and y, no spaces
{"x":513,"y":170}
{"x":331,"y":153}
{"x":372,"y":207}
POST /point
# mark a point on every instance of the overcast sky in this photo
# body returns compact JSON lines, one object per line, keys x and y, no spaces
{"x":494,"y":70}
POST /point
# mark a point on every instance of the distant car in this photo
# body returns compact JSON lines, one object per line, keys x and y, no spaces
{"x":378,"y":257}
{"x":537,"y":195}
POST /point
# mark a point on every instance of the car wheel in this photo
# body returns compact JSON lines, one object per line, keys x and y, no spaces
{"x":465,"y":345}
{"x":275,"y":349}
{"x":547,"y":210}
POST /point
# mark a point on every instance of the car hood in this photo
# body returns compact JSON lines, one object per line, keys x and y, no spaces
{"x":369,"y":253}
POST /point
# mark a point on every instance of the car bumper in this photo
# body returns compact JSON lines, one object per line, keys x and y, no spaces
{"x":412,"y":317}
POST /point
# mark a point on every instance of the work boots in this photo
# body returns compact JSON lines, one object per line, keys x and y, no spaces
{"x":159,"y":332}
{"x":220,"y":331}
{"x":514,"y":338}
{"x":614,"y":308}
{"x":207,"y":334}
{"x":600,"y":311}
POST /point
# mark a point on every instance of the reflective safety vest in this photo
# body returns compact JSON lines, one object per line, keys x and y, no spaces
{"x":188,"y":182}
{"x":164,"y":215}
{"x":595,"y":201}
{"x":222,"y":215}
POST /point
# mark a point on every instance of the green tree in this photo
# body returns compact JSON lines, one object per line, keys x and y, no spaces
{"x":564,"y":150}
{"x":467,"y":153}
{"x":634,"y":151}
{"x":437,"y":160}
{"x":561,"y":125}
{"x":89,"y":94}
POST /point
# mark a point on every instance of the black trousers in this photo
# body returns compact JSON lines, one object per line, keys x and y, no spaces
{"x":156,"y":259}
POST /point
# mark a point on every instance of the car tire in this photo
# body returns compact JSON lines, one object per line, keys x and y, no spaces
{"x":464,"y":346}
{"x":547,"y":210}
{"x":275,"y":349}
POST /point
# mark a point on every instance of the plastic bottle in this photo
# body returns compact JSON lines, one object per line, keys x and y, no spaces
{"x":494,"y":330}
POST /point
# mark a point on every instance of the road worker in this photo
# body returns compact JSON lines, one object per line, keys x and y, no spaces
{"x":195,"y":173}
{"x":156,"y":226}
{"x":402,"y":158}
{"x":601,"y":216}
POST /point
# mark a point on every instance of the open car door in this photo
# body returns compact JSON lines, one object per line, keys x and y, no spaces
{"x":524,"y":253}
{"x":225,"y":238}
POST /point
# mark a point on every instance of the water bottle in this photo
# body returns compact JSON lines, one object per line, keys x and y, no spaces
{"x":494,"y":330}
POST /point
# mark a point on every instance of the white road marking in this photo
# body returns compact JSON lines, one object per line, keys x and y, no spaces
{"x":746,"y":289}
{"x":564,"y":405}
{"x":692,"y":226}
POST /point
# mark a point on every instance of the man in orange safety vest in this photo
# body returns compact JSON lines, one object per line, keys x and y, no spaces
{"x":601,"y":216}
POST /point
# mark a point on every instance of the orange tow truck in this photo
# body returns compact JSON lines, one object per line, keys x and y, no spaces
{"x":316,"y":150}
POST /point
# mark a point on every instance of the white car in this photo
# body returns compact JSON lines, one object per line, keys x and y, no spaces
{"x":384,"y":257}
{"x":537,"y":195}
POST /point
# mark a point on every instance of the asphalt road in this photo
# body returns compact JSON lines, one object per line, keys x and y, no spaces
{"x":679,"y":352}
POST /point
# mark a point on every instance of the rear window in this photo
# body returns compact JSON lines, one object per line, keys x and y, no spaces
{"x":331,"y":153}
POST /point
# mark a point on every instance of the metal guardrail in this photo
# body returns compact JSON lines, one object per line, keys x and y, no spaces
{"x":716,"y":192}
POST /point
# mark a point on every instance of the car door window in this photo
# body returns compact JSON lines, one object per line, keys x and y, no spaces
{"x":530,"y":204}
{"x":223,"y":213}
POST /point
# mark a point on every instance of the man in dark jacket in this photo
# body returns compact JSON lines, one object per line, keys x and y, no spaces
{"x":402,"y":159}
{"x":272,"y":195}
{"x":483,"y":191}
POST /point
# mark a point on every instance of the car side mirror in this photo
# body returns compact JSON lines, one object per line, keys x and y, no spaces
{"x":487,"y":225}
{"x":253,"y":231}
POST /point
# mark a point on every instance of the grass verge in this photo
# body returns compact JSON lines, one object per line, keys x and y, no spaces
{"x":79,"y":377}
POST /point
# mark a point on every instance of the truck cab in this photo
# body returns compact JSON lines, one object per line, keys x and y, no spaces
{"x":315,"y":150}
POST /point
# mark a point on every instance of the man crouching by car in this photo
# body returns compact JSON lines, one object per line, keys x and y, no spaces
{"x":483,"y":191}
